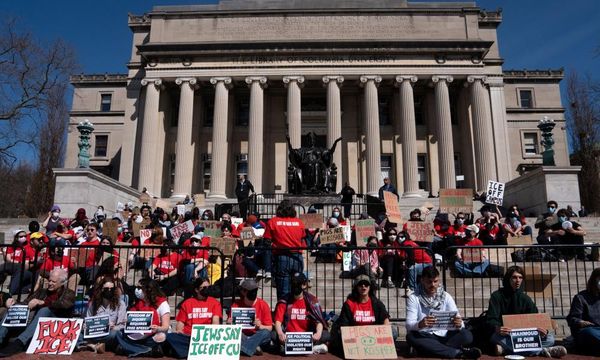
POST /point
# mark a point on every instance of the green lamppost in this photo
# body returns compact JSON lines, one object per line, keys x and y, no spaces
{"x":546,"y":125}
{"x":85,"y":129}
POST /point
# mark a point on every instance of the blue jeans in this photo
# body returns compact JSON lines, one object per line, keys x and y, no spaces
{"x":471,"y":269}
{"x":189,"y":271}
{"x":134,"y":348}
{"x":108,"y":339}
{"x":180,"y":344}
{"x":285,"y":267}
{"x":16,"y":284}
{"x":250,"y":343}
{"x":413,"y":272}
{"x":506,"y":344}
{"x":588,"y":340}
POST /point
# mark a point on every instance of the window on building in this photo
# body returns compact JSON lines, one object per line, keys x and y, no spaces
{"x":313,"y":104}
{"x":530,"y":143}
{"x":526,"y":98}
{"x":242,"y":165}
{"x":105,"y":102}
{"x":422,"y":171}
{"x":209,"y":110}
{"x":206,"y":172}
{"x":172,"y":160}
{"x":384,"y":110}
{"x":243,"y":111}
{"x":101,"y":146}
{"x":419,"y":119}
{"x":386,"y":166}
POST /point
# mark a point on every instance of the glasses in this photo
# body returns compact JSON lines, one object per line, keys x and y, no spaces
{"x":364,"y":284}
{"x":90,"y":230}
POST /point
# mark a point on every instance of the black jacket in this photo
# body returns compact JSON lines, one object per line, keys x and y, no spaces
{"x":242,"y":191}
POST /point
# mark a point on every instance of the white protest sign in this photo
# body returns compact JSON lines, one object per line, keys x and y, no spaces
{"x":347,"y":232}
{"x":444,"y":320}
{"x":55,"y":336}
{"x":180,"y":209}
{"x":495,"y":193}
{"x":347,"y":260}
{"x":298,"y":343}
{"x":176,"y":231}
{"x":145,"y":234}
{"x":215,"y":341}
{"x":16,"y":316}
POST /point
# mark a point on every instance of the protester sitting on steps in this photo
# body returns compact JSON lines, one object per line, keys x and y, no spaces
{"x":584,"y":316}
{"x":511,"y":300}
{"x":421,"y":334}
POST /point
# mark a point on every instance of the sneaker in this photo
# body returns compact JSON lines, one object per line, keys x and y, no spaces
{"x":498,"y":351}
{"x":320,"y":349}
{"x":100,"y":348}
{"x":268,"y":275}
{"x":260,"y":274}
{"x":470,"y":353}
{"x":554,"y":351}
{"x":258,"y":351}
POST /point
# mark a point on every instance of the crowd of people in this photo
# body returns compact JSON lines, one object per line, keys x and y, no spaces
{"x":41,"y":264}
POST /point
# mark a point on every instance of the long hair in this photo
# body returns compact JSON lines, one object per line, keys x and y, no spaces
{"x":16,"y":238}
{"x":592,"y":283}
{"x":152,"y":291}
{"x":97,"y":296}
{"x":509,"y":273}
{"x":286,"y":209}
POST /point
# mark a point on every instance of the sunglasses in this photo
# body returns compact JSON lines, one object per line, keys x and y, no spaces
{"x":364,"y":284}
{"x":90,"y":230}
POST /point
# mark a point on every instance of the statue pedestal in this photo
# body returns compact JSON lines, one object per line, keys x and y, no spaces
{"x":307,"y":200}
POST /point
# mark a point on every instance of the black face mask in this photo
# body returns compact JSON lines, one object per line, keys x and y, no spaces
{"x":105,"y":248}
{"x":371,"y":245}
{"x":108,"y":294}
{"x":297,"y":291}
{"x":204,"y":292}
{"x":252,"y":295}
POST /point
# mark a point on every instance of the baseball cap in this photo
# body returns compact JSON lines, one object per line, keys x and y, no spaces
{"x":299,"y":278}
{"x":36,"y":235}
{"x":473,"y":228}
{"x":249,"y":284}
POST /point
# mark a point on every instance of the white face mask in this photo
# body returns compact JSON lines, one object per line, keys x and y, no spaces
{"x":55,"y":214}
{"x":22,"y":239}
{"x":598,"y":284}
{"x":139,"y":294}
{"x":336,"y":214}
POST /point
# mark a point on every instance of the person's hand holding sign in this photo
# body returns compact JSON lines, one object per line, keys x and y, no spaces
{"x":257,"y":323}
{"x":281,"y":336}
{"x":10,"y":302}
{"x":428,"y":321}
{"x":317,"y":334}
{"x":543,"y":332}
{"x":505,"y":331}
{"x":457,"y":321}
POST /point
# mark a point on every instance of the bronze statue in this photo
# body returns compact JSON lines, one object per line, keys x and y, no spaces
{"x":311,"y":169}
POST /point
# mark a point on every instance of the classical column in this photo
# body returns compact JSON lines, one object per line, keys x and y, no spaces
{"x":334,"y":122}
{"x":293,"y":108}
{"x":408,"y":135}
{"x":255,"y":131}
{"x":184,"y":150}
{"x":218,"y":166}
{"x":482,"y":133}
{"x":371,"y":116}
{"x":149,"y":136}
{"x":444,"y":132}
{"x":498,"y":109}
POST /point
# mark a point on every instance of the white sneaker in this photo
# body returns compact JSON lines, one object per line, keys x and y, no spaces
{"x":320,"y":349}
{"x":267,"y":275}
{"x":554,"y":351}
{"x":260,"y":274}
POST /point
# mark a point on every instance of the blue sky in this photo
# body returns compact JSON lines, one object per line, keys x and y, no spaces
{"x":534,"y":34}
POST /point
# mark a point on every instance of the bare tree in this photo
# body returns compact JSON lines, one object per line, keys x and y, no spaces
{"x":583,"y":116}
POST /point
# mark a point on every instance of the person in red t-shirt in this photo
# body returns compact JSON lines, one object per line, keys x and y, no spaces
{"x":458,"y":229}
{"x":416,"y":259}
{"x":195,"y":260}
{"x":19,"y":256}
{"x":97,"y":256}
{"x":259,"y":334}
{"x":300,"y":312}
{"x":197,"y":310}
{"x":362,"y":307}
{"x":164,"y":269}
{"x":467,"y":260}
{"x":56,"y":259}
{"x":285,"y":231}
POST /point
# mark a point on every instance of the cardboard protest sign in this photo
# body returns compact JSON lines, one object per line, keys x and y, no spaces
{"x":364,"y":229}
{"x":312,"y":220}
{"x":247,"y":235}
{"x":96,"y":326}
{"x":137,"y":227}
{"x":244,"y":317}
{"x":392,"y":208}
{"x":368,"y":342}
{"x":211,"y":228}
{"x":519,"y":240}
{"x":331,"y":236}
{"x":165,"y":205}
{"x":110,"y":228}
{"x":236,"y":221}
{"x":526,"y":340}
{"x":16,"y":316}
{"x":298,"y":343}
{"x":138,"y":322}
{"x":453,"y":201}
{"x":420,"y":231}
{"x":198,"y":199}
{"x":227,"y":246}
{"x":215,"y":342}
{"x":523,"y":321}
{"x":177,"y":231}
{"x":471,"y":255}
{"x":55,"y":336}
{"x":443,"y":320}
{"x":495,"y":193}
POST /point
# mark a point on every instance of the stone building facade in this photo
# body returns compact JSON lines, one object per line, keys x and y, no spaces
{"x":416,"y":91}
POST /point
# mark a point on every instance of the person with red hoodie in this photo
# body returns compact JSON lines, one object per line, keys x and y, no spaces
{"x":149,"y":298}
{"x":416,"y":259}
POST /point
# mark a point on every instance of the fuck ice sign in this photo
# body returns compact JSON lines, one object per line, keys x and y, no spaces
{"x":54,"y":336}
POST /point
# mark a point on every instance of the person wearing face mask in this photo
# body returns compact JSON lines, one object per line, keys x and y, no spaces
{"x":207,"y":215}
{"x":366,"y":261}
{"x":389,"y":260}
{"x":149,"y":297}
{"x":511,"y":300}
{"x":254,"y":339}
{"x":457,"y":230}
{"x":584,"y":316}
{"x":416,"y":259}
{"x":195,"y":260}
{"x":106,"y":301}
{"x":17,"y":254}
{"x":52,"y":221}
{"x":427,"y":341}
{"x":490,"y":231}
{"x":568,"y":232}
{"x":165,"y":267}
{"x":80,"y":219}
{"x":96,"y":257}
{"x":338,"y":216}
{"x":300,"y":311}
{"x":201,"y":309}
{"x":545,"y":222}
{"x":468,"y":268}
